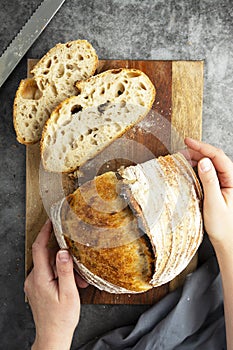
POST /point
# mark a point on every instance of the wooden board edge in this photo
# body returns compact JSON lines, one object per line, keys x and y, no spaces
{"x":182,"y":97}
{"x":187,"y":90}
{"x":34,"y":202}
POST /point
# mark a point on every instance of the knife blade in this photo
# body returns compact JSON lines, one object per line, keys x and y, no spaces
{"x":27,"y":36}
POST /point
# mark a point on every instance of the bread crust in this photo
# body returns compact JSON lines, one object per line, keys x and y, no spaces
{"x":102,"y":234}
{"x":174,"y":236}
{"x":176,"y":202}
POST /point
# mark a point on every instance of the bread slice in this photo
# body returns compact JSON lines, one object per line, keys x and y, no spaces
{"x":54,"y":78}
{"x":108,"y":105}
{"x":102,"y":234}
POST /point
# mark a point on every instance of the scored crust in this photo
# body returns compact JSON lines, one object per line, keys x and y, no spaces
{"x":171,"y":216}
{"x":135,"y":229}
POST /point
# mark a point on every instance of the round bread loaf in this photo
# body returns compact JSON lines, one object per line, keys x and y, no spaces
{"x":133,"y":230}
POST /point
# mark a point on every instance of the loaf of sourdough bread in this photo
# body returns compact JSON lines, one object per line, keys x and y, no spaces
{"x":54,"y":78}
{"x":135,"y":229}
{"x":108,"y":104}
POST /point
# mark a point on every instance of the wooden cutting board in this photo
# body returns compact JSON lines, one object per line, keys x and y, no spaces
{"x":176,"y":113}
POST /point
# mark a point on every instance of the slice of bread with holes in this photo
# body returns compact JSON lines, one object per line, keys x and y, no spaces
{"x":54,"y":78}
{"x":107,"y":106}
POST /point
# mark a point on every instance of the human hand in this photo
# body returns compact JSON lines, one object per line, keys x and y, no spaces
{"x":215,"y":170}
{"x":52,"y":294}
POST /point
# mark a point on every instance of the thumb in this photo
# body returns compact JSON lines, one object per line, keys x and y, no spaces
{"x":212,"y":191}
{"x":65,"y":273}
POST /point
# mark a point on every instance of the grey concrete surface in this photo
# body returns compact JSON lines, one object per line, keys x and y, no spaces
{"x":118,"y":29}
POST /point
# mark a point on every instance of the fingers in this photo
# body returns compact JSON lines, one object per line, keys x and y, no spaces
{"x":212,"y":191}
{"x":66,"y":281}
{"x":47,"y":267}
{"x":221,"y":162}
{"x":40,"y":253}
{"x":191,"y":155}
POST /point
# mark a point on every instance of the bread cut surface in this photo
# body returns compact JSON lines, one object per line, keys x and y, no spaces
{"x":131,"y":233}
{"x":54,"y":78}
{"x":108,"y":105}
{"x":102,"y":234}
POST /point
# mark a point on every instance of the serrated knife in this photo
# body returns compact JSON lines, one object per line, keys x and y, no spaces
{"x":26,"y":36}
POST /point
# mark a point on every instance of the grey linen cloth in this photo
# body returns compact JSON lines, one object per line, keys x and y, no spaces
{"x":191,"y":317}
